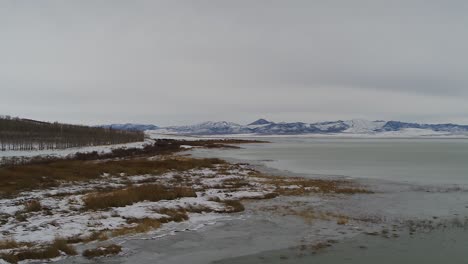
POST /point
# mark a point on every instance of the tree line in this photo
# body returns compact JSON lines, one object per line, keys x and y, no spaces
{"x":26,"y":134}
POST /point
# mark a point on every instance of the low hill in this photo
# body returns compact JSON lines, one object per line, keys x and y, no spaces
{"x":131,"y":127}
{"x":27,"y":134}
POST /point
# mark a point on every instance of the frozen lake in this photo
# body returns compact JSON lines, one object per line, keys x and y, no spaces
{"x":414,"y":179}
{"x":422,"y":161}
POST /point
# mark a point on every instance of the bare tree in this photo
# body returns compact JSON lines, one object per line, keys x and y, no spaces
{"x":26,"y":134}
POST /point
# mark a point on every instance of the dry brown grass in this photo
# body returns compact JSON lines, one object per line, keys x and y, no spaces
{"x":320,"y":246}
{"x":310,"y":185}
{"x":142,"y":226}
{"x":10,"y":258}
{"x":35,"y":176}
{"x":235,"y":183}
{"x":102,"y":251}
{"x":234,"y":206}
{"x":175,"y":215}
{"x":8,"y":244}
{"x":51,"y":251}
{"x":131,"y":195}
{"x":32,"y":206}
{"x":95,"y":236}
{"x":310,"y":215}
{"x":146,"y":224}
{"x":342,"y":220}
{"x":62,"y":245}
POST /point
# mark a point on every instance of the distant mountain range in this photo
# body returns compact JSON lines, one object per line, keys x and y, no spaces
{"x":265,"y":127}
{"x":356,"y":126}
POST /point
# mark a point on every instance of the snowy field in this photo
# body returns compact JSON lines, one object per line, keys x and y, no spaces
{"x":64,"y":204}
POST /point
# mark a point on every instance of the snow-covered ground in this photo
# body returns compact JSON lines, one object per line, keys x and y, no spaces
{"x":62,"y":213}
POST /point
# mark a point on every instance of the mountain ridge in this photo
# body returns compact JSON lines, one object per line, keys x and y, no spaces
{"x":354,"y":126}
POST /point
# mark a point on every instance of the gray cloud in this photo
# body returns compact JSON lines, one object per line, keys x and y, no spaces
{"x":174,"y":62}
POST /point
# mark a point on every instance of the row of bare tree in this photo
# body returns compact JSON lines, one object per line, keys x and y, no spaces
{"x":26,"y":134}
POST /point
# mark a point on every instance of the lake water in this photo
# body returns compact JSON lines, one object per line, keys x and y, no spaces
{"x":428,"y":162}
{"x":448,"y":246}
{"x":403,"y":171}
{"x":423,"y":161}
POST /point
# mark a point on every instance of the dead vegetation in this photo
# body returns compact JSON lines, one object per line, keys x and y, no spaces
{"x":94,"y":236}
{"x":102,"y":251}
{"x":29,"y":207}
{"x":297,"y":186}
{"x":131,"y":195}
{"x":36,"y":176}
{"x":18,"y":174}
{"x":234,"y":206}
{"x":8,"y":244}
{"x":32,"y":206}
{"x":224,"y":181}
{"x":141,"y":226}
{"x":159,"y":147}
{"x":45,"y":252}
{"x":342,"y":220}
{"x":311,"y":215}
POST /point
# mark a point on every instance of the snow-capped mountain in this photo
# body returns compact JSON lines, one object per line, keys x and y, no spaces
{"x":452,"y":128}
{"x":363,"y":126}
{"x":210,"y":128}
{"x":350,"y":127}
{"x":131,"y":127}
{"x":260,"y":122}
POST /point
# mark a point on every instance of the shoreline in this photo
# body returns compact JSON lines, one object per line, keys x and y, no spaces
{"x":120,"y":197}
{"x":309,"y":223}
{"x":401,"y":221}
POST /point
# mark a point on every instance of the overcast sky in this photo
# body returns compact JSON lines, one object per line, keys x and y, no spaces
{"x":181,"y":62}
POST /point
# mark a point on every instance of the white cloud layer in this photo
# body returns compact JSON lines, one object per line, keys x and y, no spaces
{"x":176,"y":62}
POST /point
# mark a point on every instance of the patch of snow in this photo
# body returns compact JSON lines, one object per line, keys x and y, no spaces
{"x":186,"y":147}
{"x":139,"y":211}
{"x":361,"y":126}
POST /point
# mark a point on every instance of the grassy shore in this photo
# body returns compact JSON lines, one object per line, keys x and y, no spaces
{"x":94,"y":197}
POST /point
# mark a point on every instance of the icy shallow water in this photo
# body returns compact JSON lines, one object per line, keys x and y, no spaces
{"x":413,"y":179}
{"x":421,"y":161}
{"x":447,"y":246}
